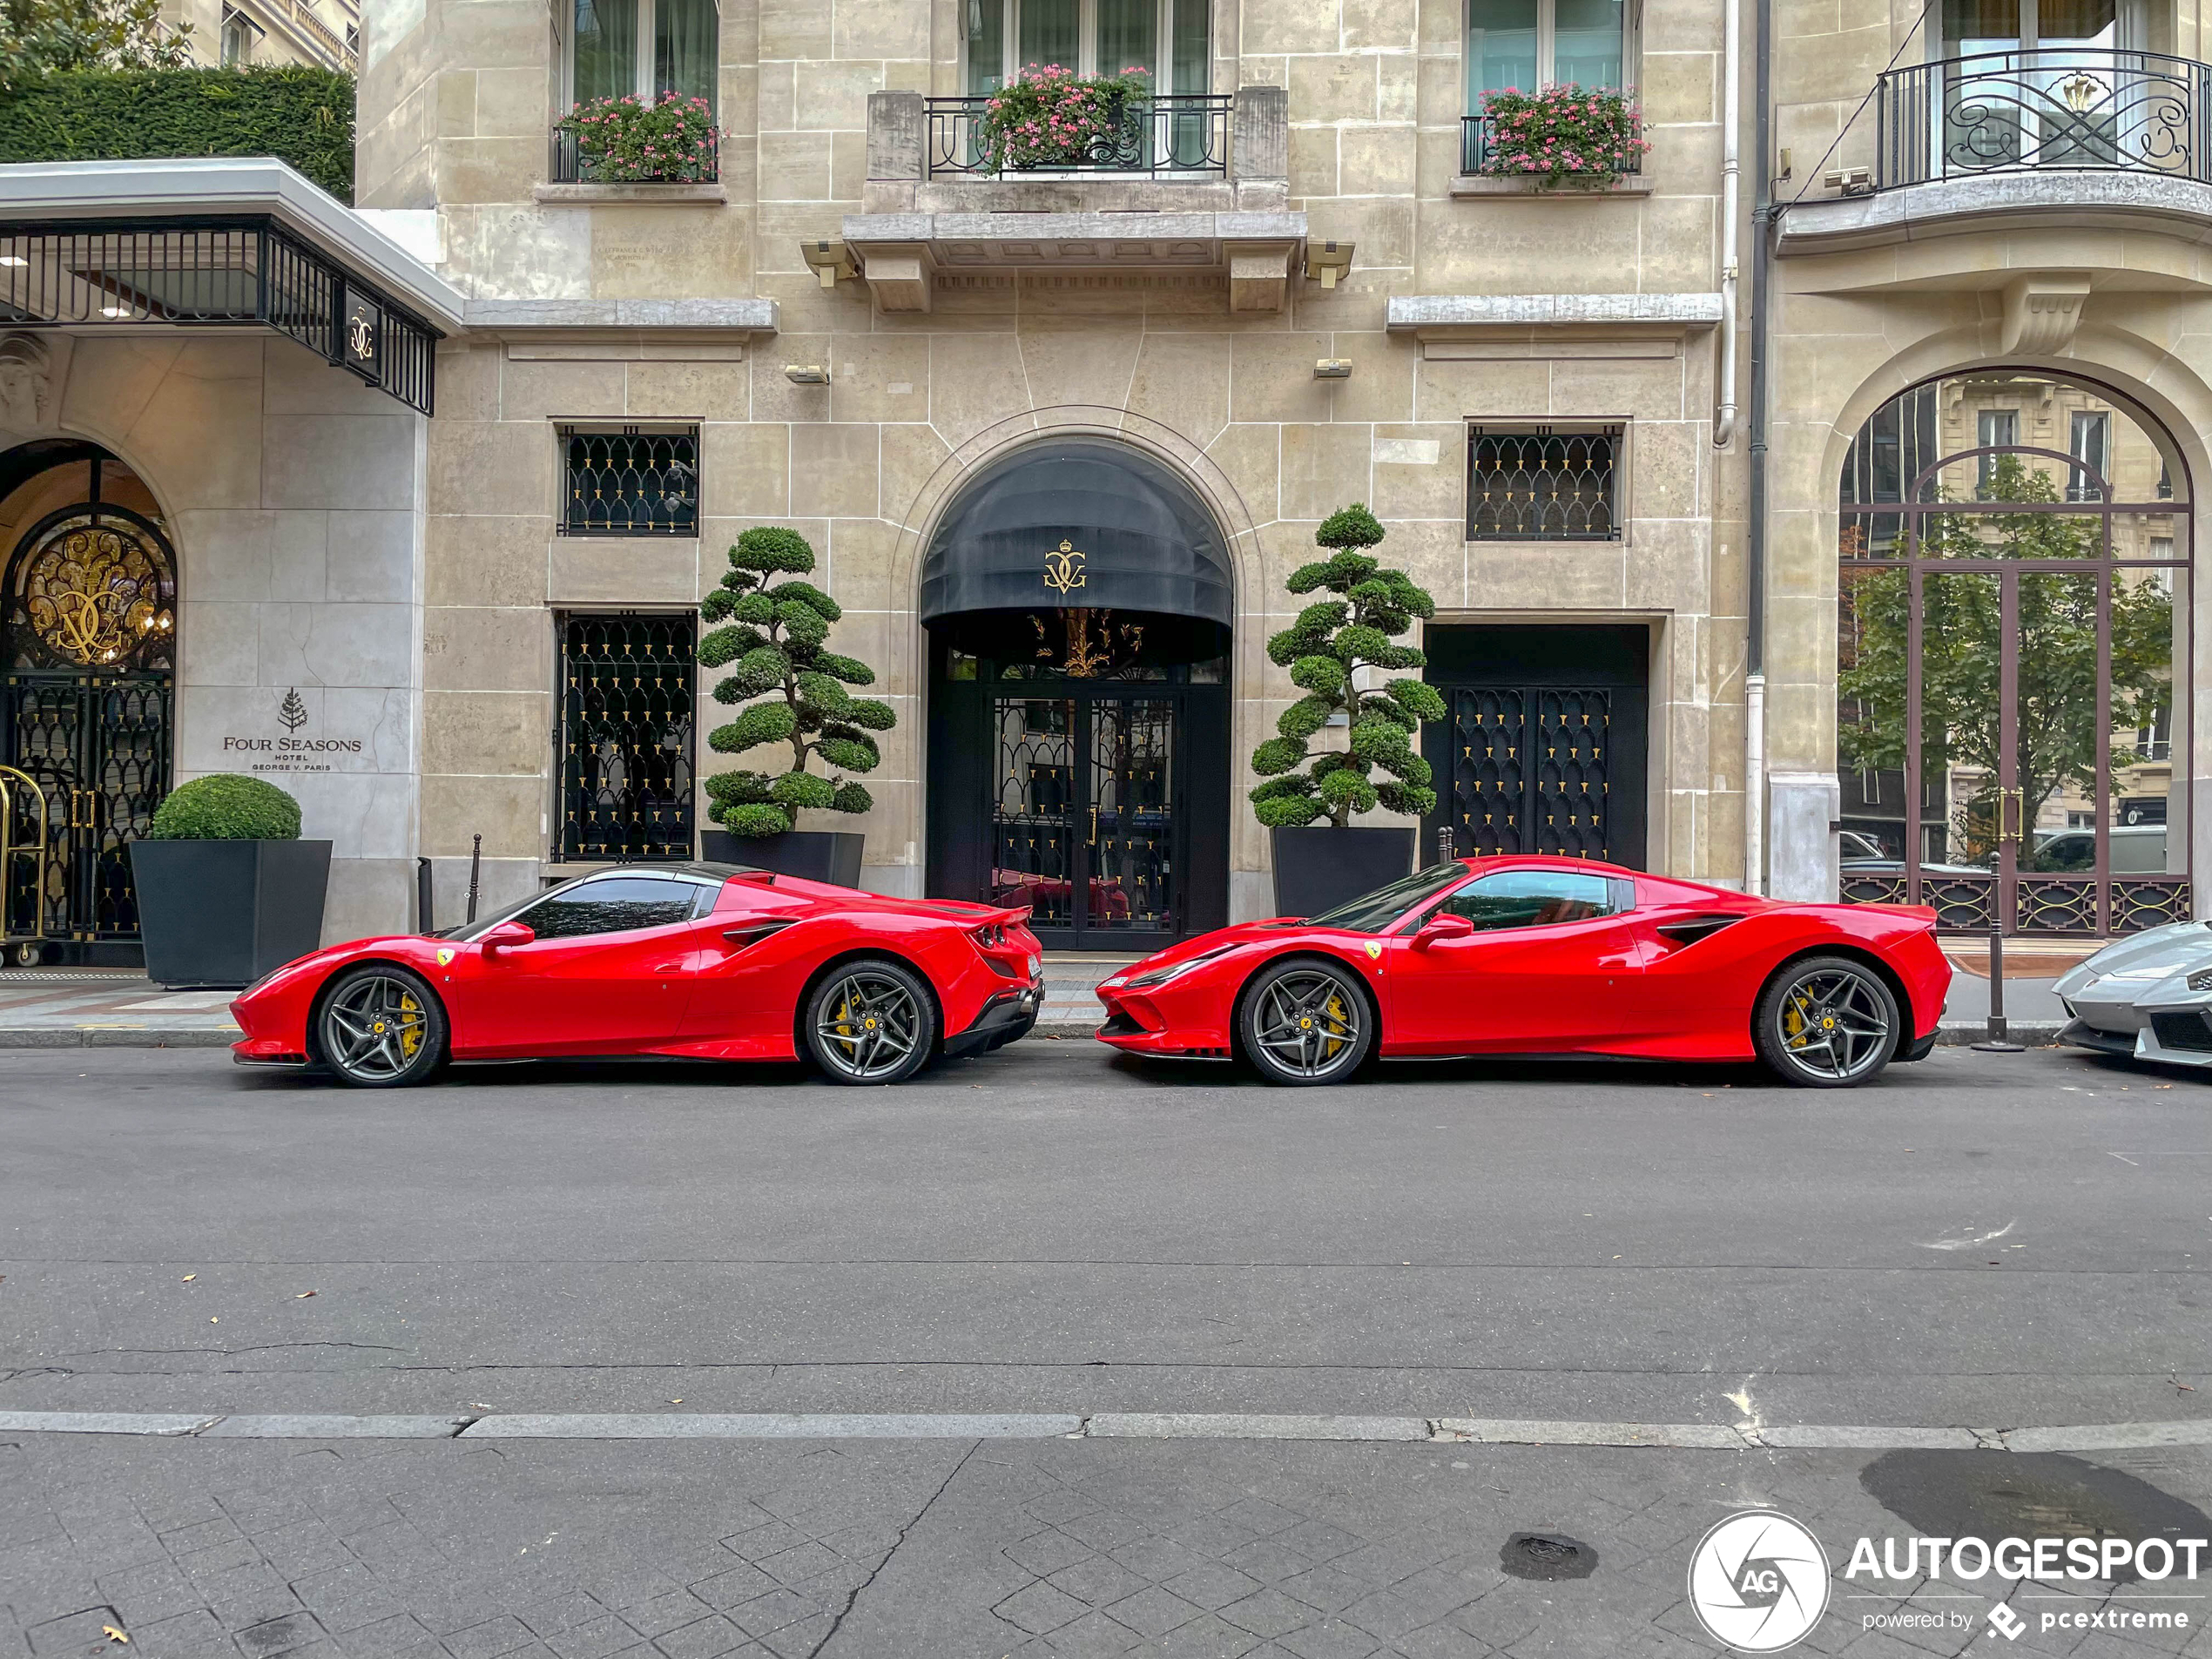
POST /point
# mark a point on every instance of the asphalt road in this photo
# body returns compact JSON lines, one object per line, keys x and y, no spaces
{"x":1978,"y":1240}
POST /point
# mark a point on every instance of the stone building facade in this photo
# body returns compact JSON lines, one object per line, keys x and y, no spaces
{"x":1294,"y":288}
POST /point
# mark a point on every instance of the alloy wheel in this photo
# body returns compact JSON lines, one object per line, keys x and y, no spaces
{"x":374,"y":1026}
{"x":1308,"y":1024}
{"x":1833,"y":1023}
{"x":869,"y":1025}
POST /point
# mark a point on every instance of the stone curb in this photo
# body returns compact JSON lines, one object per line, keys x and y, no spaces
{"x":1152,"y":1425}
{"x":134,"y":1036}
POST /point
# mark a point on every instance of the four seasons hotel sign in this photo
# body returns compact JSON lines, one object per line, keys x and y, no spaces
{"x":292,"y":748}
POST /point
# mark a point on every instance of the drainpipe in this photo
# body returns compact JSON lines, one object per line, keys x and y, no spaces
{"x":1755,"y":538}
{"x":1731,"y":32}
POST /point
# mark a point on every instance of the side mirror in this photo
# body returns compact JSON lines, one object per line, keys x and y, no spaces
{"x":508,"y":935}
{"x":1443,"y":925}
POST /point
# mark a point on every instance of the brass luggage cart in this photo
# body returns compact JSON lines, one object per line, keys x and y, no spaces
{"x":24,"y":868}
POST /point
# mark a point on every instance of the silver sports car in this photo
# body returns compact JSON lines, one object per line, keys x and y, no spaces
{"x":2149,"y":997}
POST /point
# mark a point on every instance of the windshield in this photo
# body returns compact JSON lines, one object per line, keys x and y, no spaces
{"x":472,"y":930}
{"x":1373,"y":912}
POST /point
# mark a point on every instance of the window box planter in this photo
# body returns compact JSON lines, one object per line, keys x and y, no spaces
{"x":1559,"y":137}
{"x":626,"y":141}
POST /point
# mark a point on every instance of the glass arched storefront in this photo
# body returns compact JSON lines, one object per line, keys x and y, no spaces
{"x":2013,"y":623}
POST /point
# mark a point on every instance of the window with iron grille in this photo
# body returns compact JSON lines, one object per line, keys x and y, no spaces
{"x":630,"y":481}
{"x":1538,"y":484}
{"x":627,"y":703}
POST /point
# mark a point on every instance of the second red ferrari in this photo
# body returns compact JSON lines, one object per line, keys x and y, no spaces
{"x":1546,"y":956}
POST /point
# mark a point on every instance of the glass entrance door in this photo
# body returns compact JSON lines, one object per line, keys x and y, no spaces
{"x":1084,"y":793}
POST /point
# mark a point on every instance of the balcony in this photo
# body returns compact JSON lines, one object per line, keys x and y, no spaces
{"x":2061,"y":141}
{"x":2049,"y":111}
{"x":1181,"y":135}
{"x":1189,"y":190}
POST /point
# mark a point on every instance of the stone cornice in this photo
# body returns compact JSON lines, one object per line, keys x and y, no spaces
{"x":729,"y":316}
{"x":1438,"y":314}
{"x":2057,"y":201}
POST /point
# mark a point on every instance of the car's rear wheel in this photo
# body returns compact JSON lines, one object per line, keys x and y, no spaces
{"x":380,"y":1027}
{"x":871,"y":1022}
{"x":1304,"y":1022}
{"x":1826,"y":1022}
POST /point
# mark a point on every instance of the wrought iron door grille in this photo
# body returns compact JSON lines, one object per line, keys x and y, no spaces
{"x":627,"y":715}
{"x":630,"y":482}
{"x":1539,"y":485}
{"x":99,"y":745}
{"x":203,"y":272}
{"x":1531,"y":771}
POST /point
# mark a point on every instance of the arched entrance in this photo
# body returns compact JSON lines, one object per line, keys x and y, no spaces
{"x":88,"y":618}
{"x":2014,"y":623}
{"x":1078,"y":598}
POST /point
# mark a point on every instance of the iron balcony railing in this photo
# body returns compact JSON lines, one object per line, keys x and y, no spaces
{"x":1166,"y":134}
{"x":572,"y":166}
{"x":2070,"y":109}
{"x":1477,"y":148}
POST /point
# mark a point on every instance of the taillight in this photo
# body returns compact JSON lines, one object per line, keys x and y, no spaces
{"x":991,"y":936}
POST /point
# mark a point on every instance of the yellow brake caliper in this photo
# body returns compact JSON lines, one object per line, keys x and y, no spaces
{"x":411,"y":1033}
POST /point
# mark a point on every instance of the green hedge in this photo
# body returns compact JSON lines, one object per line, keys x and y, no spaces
{"x":226,"y":806}
{"x":303,"y":116}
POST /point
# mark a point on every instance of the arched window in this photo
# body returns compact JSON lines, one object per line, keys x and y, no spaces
{"x":2012,"y":620}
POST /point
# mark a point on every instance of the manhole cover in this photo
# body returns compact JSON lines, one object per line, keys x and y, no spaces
{"x":2026,"y":1494}
{"x":1547,"y":1555}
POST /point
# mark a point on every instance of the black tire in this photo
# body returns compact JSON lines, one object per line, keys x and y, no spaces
{"x":869,"y":1023}
{"x":1826,"y":1022}
{"x":1304,"y":1022}
{"x":379,"y":1026}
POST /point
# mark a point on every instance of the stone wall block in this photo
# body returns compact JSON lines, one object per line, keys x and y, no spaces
{"x":481,"y":649}
{"x":1259,"y":134}
{"x":745,"y":469}
{"x":834,"y":471}
{"x":1325,"y":467}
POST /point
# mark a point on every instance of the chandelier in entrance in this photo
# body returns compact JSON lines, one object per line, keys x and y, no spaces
{"x":1092,"y":645}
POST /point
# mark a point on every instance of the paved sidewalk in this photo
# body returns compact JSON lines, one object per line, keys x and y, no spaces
{"x":967,"y":1549}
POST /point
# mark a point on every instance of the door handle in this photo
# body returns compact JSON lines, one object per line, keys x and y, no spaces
{"x":1094,"y":826}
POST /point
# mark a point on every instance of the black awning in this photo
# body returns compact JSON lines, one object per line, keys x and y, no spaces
{"x":199,"y":272}
{"x":1078,"y":522}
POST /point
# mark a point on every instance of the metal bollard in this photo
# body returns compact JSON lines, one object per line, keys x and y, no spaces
{"x":1443,"y":843}
{"x":424,"y":923}
{"x":475,"y":865}
{"x":1997,"y":1042}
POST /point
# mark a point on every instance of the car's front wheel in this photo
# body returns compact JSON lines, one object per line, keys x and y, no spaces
{"x":380,"y":1027}
{"x":1304,"y":1021}
{"x":1826,"y":1022}
{"x":871,"y":1022}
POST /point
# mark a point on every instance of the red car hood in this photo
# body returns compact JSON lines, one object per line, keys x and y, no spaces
{"x":1245,"y":932}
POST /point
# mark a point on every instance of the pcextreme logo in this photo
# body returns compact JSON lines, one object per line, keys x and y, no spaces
{"x":1758,"y":1582}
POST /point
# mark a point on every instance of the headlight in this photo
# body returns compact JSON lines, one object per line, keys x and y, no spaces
{"x":1162,"y":975}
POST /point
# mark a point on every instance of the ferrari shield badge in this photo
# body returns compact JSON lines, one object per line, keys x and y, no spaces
{"x":1374,"y":950}
{"x":444,"y":956}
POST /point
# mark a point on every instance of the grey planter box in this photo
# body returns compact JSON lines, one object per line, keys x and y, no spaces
{"x":222,"y":913}
{"x":1318,"y":869}
{"x":816,"y":855}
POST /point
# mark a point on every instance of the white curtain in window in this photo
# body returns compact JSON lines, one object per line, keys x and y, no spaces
{"x":1501,"y":48}
{"x":684,"y":48}
{"x":606,"y":49}
{"x":1586,"y":43}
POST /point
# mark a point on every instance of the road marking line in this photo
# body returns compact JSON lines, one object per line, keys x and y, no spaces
{"x":1155,"y":1425}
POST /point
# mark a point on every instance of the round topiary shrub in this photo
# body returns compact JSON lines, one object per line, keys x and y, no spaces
{"x":226,"y":806}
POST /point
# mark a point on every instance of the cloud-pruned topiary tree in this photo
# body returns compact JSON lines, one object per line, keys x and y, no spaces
{"x":773,"y":636}
{"x":1325,"y":649}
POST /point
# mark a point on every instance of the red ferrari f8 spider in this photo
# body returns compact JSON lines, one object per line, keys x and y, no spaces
{"x":1546,"y":956}
{"x":710,"y":961}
